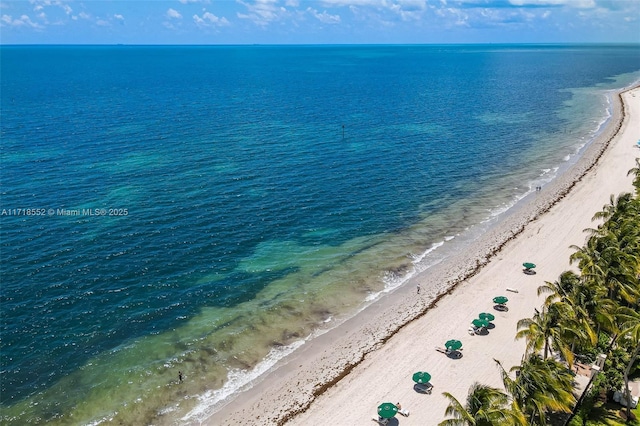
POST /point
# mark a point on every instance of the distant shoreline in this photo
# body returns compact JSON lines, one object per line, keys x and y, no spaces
{"x":460,"y":268}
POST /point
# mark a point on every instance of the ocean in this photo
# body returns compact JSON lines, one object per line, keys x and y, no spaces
{"x":208,"y":209}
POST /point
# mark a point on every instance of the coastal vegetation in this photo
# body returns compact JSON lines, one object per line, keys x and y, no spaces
{"x":594,"y":310}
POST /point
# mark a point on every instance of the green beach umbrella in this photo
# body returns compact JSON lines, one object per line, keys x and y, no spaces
{"x":529,"y":265}
{"x":487,"y":316}
{"x":387,"y":410}
{"x":500,"y":300}
{"x":421,"y":377}
{"x":480,"y":323}
{"x":453,"y":345}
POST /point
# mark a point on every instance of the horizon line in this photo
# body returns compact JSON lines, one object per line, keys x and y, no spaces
{"x":326,"y":44}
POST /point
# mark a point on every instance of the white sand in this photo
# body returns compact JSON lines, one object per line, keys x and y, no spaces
{"x":371,"y":361}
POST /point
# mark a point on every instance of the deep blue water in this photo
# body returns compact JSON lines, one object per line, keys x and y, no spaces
{"x":215,"y":151}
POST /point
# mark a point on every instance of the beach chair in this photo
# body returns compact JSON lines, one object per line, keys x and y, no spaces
{"x":404,"y":412}
{"x":380,"y":420}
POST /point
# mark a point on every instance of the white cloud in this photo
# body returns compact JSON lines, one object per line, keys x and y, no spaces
{"x":582,"y":4}
{"x":84,"y":15}
{"x":455,"y":16}
{"x":118,"y":17}
{"x":173,"y":14}
{"x":375,"y":3}
{"x":22,"y":21}
{"x":103,"y":23}
{"x":262,"y":12}
{"x":324,"y":17}
{"x":407,"y":10}
{"x":413,"y":4}
{"x":194,"y":1}
{"x":40,"y":4}
{"x":209,"y":19}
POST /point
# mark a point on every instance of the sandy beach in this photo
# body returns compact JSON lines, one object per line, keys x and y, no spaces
{"x":342,"y":377}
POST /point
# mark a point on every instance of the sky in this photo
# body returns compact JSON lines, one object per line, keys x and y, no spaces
{"x":215,"y":22}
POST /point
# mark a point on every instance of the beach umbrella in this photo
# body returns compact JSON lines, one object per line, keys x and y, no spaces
{"x":500,"y":300}
{"x":453,"y":345}
{"x":529,"y":265}
{"x":387,"y":410}
{"x":480,"y":323}
{"x":486,"y":316}
{"x":421,"y":377}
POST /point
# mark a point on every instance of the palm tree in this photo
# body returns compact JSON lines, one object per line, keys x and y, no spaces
{"x":617,"y":207}
{"x":630,"y":329}
{"x":571,"y":291}
{"x":554,"y":327}
{"x":591,"y":301}
{"x":484,"y":406}
{"x":534,"y":330}
{"x":564,"y":287}
{"x":588,"y":259}
{"x":609,"y":258}
{"x":540,"y":386}
{"x":603,"y":263}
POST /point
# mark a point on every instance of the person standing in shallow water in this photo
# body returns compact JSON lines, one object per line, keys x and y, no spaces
{"x":180,"y":376}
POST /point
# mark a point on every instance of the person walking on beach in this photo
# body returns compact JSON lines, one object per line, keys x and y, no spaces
{"x":180,"y":376}
{"x":418,"y":288}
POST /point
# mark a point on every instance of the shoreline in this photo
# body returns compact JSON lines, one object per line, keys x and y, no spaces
{"x":291,"y":390}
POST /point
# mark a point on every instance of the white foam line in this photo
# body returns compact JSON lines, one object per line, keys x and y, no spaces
{"x":393,"y":281}
{"x":102,"y":420}
{"x":429,"y":250}
{"x":237,"y":380}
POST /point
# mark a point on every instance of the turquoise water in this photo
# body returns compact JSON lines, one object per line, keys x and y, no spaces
{"x":204,"y":209}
